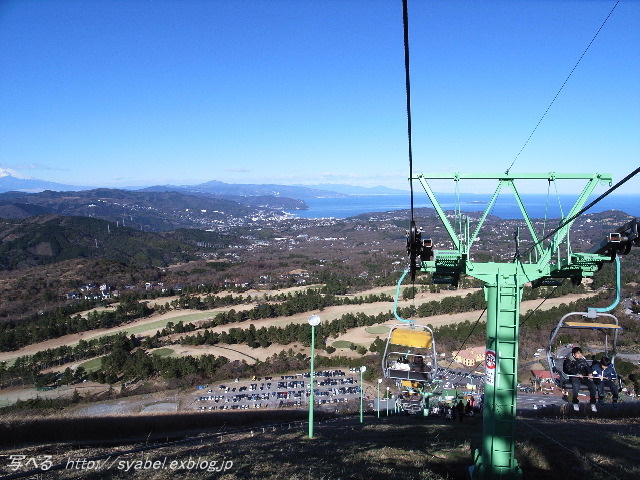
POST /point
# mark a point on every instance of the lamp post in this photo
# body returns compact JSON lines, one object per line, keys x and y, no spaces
{"x":362,"y":370}
{"x":379,"y":382}
{"x":314,"y":321}
{"x":387,"y":401}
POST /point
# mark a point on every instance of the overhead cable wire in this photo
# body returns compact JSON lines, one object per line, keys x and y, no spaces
{"x":536,"y":309}
{"x":562,"y":86}
{"x":468,"y":336}
{"x":407,"y":82}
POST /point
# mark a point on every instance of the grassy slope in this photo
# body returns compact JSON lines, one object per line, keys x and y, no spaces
{"x":557,"y":446}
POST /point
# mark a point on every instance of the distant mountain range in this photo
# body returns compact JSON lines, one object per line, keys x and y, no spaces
{"x":165,"y":207}
{"x":354,"y":190}
{"x":217,"y":188}
{"x":50,"y":239}
{"x":10,"y":183}
{"x":148,"y":210}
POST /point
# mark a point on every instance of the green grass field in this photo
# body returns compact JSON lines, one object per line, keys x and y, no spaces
{"x":92,"y":365}
{"x":341,"y":344}
{"x":164,"y":352}
{"x":160,"y":324}
{"x":157,"y":325}
{"x":377,"y":330}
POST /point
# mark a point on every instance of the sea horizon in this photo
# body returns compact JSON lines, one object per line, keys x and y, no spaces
{"x":537,"y":205}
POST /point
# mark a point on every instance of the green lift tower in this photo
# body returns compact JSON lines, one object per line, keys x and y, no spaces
{"x":503,"y":284}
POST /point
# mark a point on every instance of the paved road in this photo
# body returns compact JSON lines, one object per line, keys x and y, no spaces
{"x":536,"y":400}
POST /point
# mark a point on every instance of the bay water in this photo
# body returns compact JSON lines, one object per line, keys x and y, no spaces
{"x":537,"y":206}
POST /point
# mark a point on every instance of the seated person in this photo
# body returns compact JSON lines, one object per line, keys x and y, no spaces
{"x":401,"y":364}
{"x":418,"y":364}
{"x":579,"y":371}
{"x":605,"y":375}
{"x":426,"y":252}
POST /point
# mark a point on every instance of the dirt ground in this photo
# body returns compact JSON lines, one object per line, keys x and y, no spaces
{"x":12,"y":394}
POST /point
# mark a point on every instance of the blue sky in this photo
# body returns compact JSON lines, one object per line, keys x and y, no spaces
{"x":140,"y":92}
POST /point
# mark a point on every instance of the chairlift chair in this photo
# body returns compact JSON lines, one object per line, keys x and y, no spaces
{"x":411,"y":399}
{"x":410,"y":354}
{"x":605,"y":323}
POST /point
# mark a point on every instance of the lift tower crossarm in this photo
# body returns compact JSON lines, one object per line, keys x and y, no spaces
{"x":562,"y":232}
{"x":508,"y":179}
{"x":519,"y":176}
{"x":440,"y":212}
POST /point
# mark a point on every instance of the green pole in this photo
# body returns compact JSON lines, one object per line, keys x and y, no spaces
{"x":387,"y":401}
{"x":313,"y":321}
{"x":311,"y":383}
{"x":497,"y":458}
{"x":362,"y":370}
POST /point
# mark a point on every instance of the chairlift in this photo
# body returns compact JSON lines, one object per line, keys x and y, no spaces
{"x":410,"y":358}
{"x":605,"y":323}
{"x":411,"y":399}
{"x":595,"y":319}
{"x":410,"y":354}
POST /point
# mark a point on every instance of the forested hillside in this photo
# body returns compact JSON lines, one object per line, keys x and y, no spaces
{"x":51,"y":239}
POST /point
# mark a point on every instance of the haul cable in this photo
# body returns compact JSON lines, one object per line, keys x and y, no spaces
{"x":561,"y":87}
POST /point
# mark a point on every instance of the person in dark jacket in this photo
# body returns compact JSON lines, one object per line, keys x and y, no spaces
{"x":579,"y":371}
{"x":460,"y":410}
{"x":605,"y":375}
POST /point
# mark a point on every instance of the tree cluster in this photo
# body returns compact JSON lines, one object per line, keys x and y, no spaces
{"x":26,"y":368}
{"x":58,"y":323}
{"x":293,"y":332}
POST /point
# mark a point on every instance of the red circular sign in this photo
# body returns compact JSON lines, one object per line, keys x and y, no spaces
{"x":490,"y":359}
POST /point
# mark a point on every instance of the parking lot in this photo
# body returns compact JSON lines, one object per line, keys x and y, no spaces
{"x":460,"y":379}
{"x":332,"y":387}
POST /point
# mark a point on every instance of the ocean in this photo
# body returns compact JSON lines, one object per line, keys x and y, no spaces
{"x":505,"y":206}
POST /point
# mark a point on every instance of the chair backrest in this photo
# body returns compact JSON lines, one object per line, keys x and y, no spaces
{"x":557,"y":367}
{"x":411,"y":338}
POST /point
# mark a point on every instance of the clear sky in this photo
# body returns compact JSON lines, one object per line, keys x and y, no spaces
{"x":140,"y":92}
